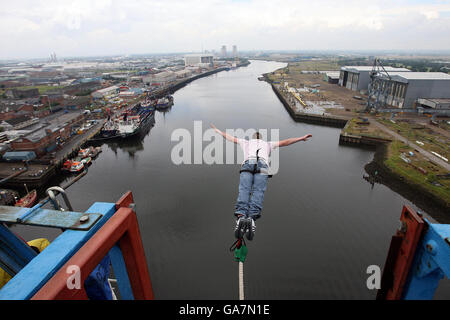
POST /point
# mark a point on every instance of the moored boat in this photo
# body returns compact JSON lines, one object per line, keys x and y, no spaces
{"x":83,"y":153}
{"x":94,"y":151}
{"x":73,"y":166}
{"x":86,"y":161}
{"x":128,"y":124}
{"x":165,"y":102}
{"x":28,"y":200}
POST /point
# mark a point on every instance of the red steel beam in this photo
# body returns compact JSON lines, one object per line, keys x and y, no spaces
{"x":401,"y":254}
{"x":125,"y":200}
{"x":122,"y":227}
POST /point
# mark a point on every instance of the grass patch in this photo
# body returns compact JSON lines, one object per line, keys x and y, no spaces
{"x":410,"y":172}
{"x":432,"y":141}
{"x":42,"y":89}
{"x":355,"y":128}
{"x":313,"y":65}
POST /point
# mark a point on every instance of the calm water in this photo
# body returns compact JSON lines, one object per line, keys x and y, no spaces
{"x":322,"y":223}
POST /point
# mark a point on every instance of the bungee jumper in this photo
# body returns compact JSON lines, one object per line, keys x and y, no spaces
{"x":254,"y":174}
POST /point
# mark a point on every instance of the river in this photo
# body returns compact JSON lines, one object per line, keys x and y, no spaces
{"x":322,"y":224}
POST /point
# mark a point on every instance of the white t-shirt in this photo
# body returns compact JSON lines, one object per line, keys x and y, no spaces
{"x":250,"y":147}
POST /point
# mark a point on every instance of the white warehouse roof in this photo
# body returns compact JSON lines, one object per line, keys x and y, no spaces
{"x":421,"y":75}
{"x":369,"y":68}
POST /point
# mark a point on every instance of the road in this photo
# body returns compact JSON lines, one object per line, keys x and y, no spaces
{"x":422,"y":151}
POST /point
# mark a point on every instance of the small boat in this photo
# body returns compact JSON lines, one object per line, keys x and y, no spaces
{"x":93,"y":152}
{"x":86,"y":161}
{"x":28,"y":200}
{"x":76,"y":166}
{"x":164,"y":102}
{"x":83,"y":153}
{"x":73,"y":166}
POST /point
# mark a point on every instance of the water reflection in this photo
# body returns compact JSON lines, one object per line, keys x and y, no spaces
{"x":131,"y":145}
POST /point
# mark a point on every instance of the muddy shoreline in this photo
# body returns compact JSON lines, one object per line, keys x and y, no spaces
{"x":421,"y":197}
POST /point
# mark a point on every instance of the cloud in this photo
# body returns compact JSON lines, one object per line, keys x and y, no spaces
{"x":91,"y":27}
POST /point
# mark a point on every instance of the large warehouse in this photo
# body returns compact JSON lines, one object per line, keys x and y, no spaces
{"x":357,"y":78}
{"x":404,"y":89}
{"x":196,"y":59}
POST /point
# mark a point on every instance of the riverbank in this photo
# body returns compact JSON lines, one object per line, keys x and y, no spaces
{"x":428,"y":201}
{"x":412,"y":181}
{"x":41,"y":171}
{"x":181,"y":84}
{"x":309,"y":118}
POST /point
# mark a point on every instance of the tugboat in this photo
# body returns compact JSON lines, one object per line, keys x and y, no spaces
{"x":165,"y":102}
{"x":73,"y":166}
{"x":83,"y":153}
{"x":85,"y":161}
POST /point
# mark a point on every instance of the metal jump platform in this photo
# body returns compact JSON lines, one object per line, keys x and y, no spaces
{"x":105,"y":231}
{"x":107,"y":234}
{"x":418,"y":258}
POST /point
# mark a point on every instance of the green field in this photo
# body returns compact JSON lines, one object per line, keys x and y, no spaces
{"x":414,"y":132}
{"x":313,"y":65}
{"x":42,"y":89}
{"x":354,"y":127}
{"x":413,"y":175}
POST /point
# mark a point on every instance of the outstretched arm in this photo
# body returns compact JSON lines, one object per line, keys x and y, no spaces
{"x":287,"y":142}
{"x":225,"y":135}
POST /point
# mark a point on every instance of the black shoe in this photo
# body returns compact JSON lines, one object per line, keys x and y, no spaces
{"x":251,"y":229}
{"x":241,"y":227}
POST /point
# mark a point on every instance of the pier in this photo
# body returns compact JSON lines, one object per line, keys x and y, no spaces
{"x":182,"y":83}
{"x":41,"y":171}
{"x":325,"y":120}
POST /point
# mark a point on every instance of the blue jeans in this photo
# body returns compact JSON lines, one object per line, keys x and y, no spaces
{"x":251,"y":190}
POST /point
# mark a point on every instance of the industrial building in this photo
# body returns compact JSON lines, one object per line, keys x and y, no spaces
{"x":331,"y":76}
{"x":185,"y":73}
{"x":161,"y":78}
{"x":223,"y":51}
{"x":404,"y":89}
{"x":46,"y":138}
{"x":196,"y":59}
{"x":103,"y":93}
{"x":235,"y":52}
{"x":438,"y":104}
{"x":357,"y":78}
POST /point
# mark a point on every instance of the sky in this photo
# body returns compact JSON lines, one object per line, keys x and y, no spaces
{"x":36,"y":28}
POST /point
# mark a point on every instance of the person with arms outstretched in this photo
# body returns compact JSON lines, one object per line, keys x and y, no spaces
{"x":253,"y":179}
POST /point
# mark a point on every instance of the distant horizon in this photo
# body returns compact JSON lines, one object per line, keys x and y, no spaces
{"x":86,"y":28}
{"x":406,"y":53}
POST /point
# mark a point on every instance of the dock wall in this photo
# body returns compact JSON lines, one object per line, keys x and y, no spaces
{"x":309,"y":118}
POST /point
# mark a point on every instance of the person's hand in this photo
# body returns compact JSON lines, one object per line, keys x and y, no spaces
{"x":305,"y":138}
{"x":214,"y":127}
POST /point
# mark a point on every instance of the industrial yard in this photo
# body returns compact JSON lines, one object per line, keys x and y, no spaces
{"x":417,"y":145}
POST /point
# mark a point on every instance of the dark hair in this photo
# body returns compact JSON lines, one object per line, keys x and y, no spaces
{"x":257,"y":135}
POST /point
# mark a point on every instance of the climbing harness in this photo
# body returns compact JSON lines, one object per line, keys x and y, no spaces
{"x":255,"y":168}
